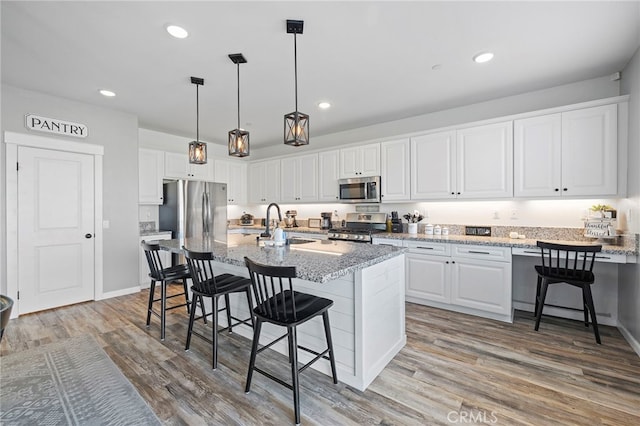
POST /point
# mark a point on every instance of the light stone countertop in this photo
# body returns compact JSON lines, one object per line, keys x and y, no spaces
{"x":152,"y":233}
{"x":318,"y":261}
{"x":629,"y":248}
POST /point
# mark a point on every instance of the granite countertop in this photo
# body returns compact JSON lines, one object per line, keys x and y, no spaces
{"x":629,"y":247}
{"x":318,"y":261}
{"x":302,"y":229}
{"x":153,"y":232}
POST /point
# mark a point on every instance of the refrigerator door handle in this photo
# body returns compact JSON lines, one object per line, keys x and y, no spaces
{"x":207,"y":229}
{"x":204,"y":212}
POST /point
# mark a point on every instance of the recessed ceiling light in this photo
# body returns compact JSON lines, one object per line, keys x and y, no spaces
{"x":177,"y":32}
{"x":483,"y":57}
{"x":107,"y":93}
{"x":324,"y":105}
{"x":436,"y":67}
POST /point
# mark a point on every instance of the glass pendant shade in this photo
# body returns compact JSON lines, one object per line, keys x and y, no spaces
{"x":296,"y":129}
{"x":197,"y":152}
{"x":239,"y":143}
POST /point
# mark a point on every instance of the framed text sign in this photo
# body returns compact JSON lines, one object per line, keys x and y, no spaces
{"x":52,"y":125}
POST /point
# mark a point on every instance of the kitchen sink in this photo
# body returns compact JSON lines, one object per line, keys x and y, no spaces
{"x":300,"y":241}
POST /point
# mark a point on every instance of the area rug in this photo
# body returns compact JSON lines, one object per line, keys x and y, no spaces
{"x":70,"y":382}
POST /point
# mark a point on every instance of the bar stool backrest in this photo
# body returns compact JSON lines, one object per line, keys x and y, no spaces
{"x":152,"y":253}
{"x":573,"y":262}
{"x":202,"y":272}
{"x":273,"y":290}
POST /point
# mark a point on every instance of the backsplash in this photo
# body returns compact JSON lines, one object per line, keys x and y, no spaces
{"x":147,"y":226}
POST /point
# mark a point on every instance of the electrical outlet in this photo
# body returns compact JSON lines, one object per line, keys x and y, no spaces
{"x":514,"y":214}
{"x":496,"y":215}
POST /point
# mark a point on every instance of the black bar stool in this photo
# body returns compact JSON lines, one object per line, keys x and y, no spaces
{"x":277,"y":303}
{"x":165,"y":275}
{"x":207,"y":284}
{"x":571,"y":264}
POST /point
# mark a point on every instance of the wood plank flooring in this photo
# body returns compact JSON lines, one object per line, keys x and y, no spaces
{"x":455,"y":369}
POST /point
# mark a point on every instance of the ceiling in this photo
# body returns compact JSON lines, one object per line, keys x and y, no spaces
{"x":373,"y":61}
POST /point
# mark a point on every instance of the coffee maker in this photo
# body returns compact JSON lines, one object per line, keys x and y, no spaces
{"x":325,"y":222}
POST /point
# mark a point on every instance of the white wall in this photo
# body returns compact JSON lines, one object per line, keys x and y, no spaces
{"x":629,"y":283}
{"x":118,"y":133}
{"x":567,"y":94}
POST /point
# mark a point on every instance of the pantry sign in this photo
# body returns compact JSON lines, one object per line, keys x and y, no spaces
{"x":52,"y":125}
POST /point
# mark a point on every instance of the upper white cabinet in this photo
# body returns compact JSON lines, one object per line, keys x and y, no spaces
{"x":264,"y":182}
{"x":590,"y":151}
{"x":328,"y":175}
{"x":433,"y":166}
{"x":470,"y":163}
{"x":395,"y":170}
{"x":484,"y":166}
{"x":234,"y":174}
{"x":360,"y":161}
{"x":150,"y":174}
{"x":299,"y":179}
{"x":572,"y":153}
{"x":177,"y":166}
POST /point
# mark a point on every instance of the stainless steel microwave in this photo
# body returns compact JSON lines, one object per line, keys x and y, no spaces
{"x":359,"y":190}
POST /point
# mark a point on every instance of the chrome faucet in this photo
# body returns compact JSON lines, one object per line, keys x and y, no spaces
{"x":266,"y":232}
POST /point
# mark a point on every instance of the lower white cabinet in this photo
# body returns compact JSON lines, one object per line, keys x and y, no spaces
{"x":464,"y":278}
{"x":143,"y":266}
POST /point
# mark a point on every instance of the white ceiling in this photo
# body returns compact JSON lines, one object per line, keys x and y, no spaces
{"x":372,"y":60}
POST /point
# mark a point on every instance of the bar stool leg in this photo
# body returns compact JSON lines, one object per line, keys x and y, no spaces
{"x":192,"y":316}
{"x":585,"y":307}
{"x":543,"y":295}
{"x":152,"y":290}
{"x":327,"y":332}
{"x":215,"y":332}
{"x":253,"y":321}
{"x":535,"y":309}
{"x":186,"y":293}
{"x":293,"y":350}
{"x":228,"y":309}
{"x":254,"y":352}
{"x":163,"y":308}
{"x":587,"y":293}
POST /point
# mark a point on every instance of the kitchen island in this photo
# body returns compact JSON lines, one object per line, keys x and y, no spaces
{"x":366,"y":283}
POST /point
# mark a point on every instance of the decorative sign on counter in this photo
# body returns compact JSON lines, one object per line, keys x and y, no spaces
{"x":600,"y":228}
{"x":52,"y":125}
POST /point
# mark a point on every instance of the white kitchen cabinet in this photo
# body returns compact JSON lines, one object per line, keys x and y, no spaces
{"x":299,"y":179}
{"x":433,"y":166}
{"x":481,"y":278}
{"x":484,"y":161}
{"x":590,"y":151}
{"x":177,"y":166}
{"x":143,"y":265}
{"x":360,"y":161}
{"x":395,"y":170}
{"x":150,"y":174}
{"x":537,"y":143}
{"x":328,"y":175}
{"x":572,"y":153}
{"x":264,"y":182}
{"x":234,"y":174}
{"x":464,"y":278}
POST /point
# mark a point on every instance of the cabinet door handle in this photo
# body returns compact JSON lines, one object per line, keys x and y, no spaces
{"x":478,"y":252}
{"x":556,"y":189}
{"x":530,"y":251}
{"x":425,"y":248}
{"x":564,"y":189}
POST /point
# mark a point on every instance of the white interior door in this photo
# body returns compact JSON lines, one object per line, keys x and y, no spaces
{"x":56,"y":252}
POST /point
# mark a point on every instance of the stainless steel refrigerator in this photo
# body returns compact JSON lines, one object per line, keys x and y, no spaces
{"x":194,"y":209}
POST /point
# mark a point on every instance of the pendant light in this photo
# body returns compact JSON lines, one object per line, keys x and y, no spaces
{"x":238,"y":138}
{"x":296,"y":124}
{"x":197,"y":149}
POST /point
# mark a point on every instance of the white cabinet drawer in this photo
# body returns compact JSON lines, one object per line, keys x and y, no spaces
{"x":426,"y":247}
{"x":500,"y":254}
{"x":387,"y":242}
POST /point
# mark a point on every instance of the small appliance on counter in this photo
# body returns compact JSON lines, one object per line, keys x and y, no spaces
{"x":325,"y":221}
{"x":290,"y":219}
{"x":246,"y":219}
{"x":396,"y":223}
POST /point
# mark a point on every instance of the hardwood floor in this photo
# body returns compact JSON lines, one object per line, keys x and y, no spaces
{"x":455,"y":369}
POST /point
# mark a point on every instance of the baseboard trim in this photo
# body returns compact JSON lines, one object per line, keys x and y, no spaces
{"x":117,"y":293}
{"x":635,"y":345}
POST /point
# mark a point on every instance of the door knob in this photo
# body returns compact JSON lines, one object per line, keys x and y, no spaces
{"x":88,"y":235}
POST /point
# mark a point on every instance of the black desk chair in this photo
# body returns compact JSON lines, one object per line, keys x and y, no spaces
{"x":207,"y":284}
{"x":165,"y":275}
{"x":277,"y":303}
{"x":571,"y":264}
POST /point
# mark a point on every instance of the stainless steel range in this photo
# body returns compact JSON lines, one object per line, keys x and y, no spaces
{"x":359,"y":227}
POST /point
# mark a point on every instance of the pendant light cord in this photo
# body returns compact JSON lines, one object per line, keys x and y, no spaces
{"x":238,"y":64}
{"x":197,"y":115}
{"x":295,"y":67}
